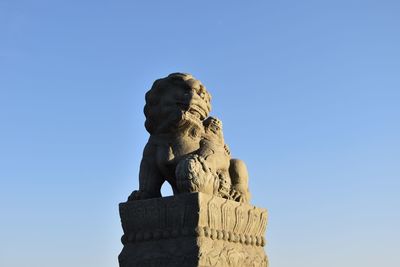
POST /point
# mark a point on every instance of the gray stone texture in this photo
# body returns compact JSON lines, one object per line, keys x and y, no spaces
{"x":208,"y":221}
{"x":193,"y":229}
{"x":186,"y":147}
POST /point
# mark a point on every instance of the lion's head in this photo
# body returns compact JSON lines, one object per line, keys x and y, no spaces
{"x":174,"y":102}
{"x":213,"y":130}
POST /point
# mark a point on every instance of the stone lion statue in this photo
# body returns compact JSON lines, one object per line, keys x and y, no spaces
{"x":186,"y":147}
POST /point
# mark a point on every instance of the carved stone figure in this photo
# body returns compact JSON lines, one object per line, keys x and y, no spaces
{"x":209,"y":221}
{"x":186,"y":147}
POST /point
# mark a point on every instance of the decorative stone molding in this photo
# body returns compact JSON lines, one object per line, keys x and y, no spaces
{"x":209,"y":229}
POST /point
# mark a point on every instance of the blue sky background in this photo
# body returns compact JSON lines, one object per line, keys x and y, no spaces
{"x":308,"y":91}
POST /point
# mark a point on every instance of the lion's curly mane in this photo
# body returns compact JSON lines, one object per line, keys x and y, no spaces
{"x":175,"y":88}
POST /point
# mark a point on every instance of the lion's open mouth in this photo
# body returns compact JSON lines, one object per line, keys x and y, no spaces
{"x":195,"y":112}
{"x":193,"y":109}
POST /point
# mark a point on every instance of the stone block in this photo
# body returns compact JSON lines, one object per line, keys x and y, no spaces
{"x":193,"y":229}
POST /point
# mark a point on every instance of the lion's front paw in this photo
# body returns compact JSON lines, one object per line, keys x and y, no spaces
{"x":139,"y":194}
{"x":239,"y":196}
{"x":135,"y":195}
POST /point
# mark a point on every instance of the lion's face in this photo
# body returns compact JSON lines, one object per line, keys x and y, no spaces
{"x":176,"y":101}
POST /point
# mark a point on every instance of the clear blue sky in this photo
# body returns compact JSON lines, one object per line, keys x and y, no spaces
{"x":308,"y":91}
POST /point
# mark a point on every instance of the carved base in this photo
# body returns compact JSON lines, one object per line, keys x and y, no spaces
{"x":192,"y":230}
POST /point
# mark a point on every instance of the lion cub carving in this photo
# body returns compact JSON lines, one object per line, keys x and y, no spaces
{"x":186,"y":147}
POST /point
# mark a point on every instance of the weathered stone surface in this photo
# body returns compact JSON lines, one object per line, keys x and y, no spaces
{"x":192,"y":229}
{"x":186,"y":147}
{"x":209,"y":221}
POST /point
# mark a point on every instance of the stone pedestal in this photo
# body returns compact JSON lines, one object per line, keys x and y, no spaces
{"x":192,"y":230}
